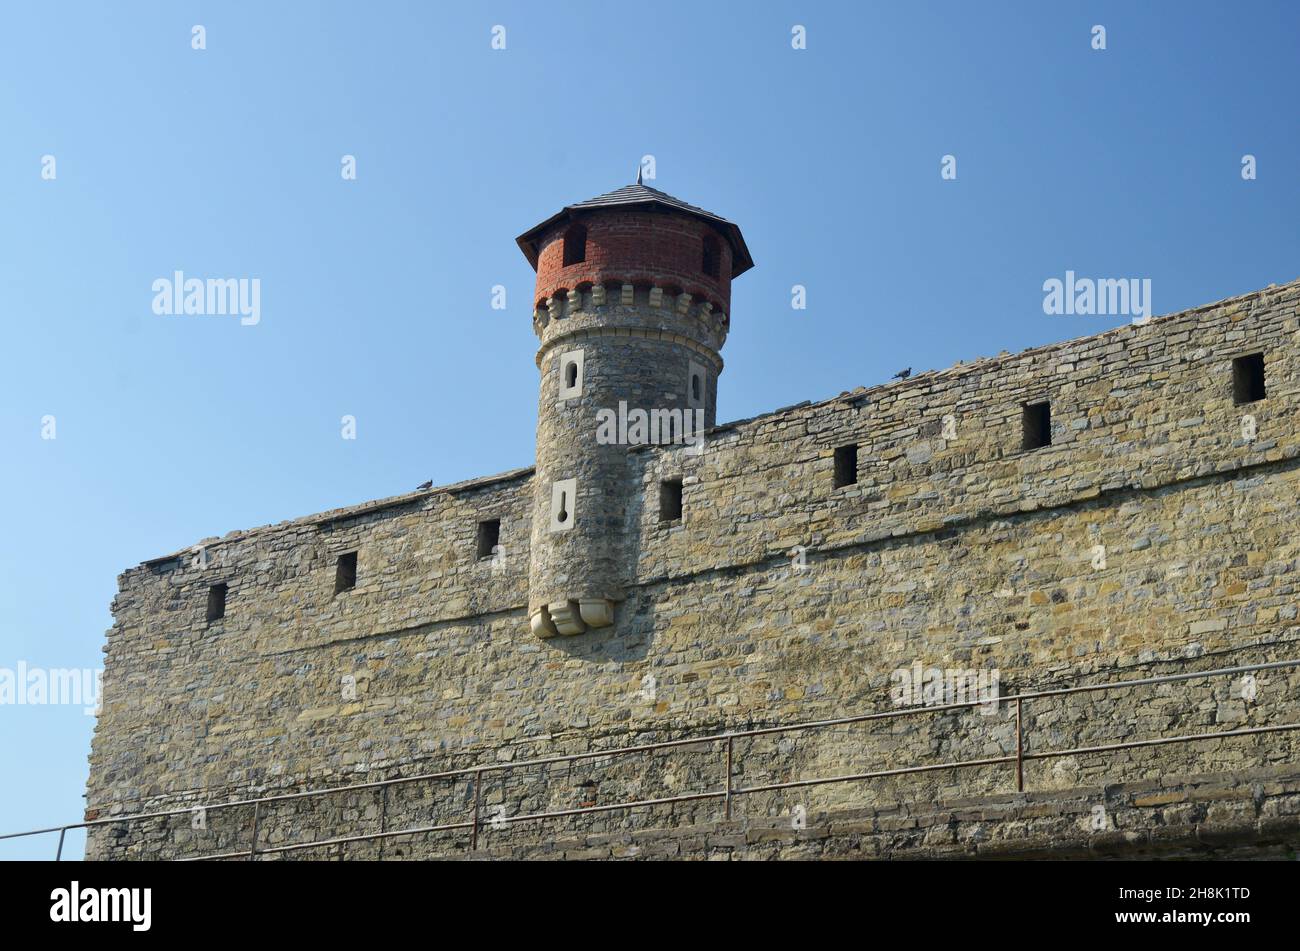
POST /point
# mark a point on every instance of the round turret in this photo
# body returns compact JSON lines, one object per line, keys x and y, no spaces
{"x":632,"y":308}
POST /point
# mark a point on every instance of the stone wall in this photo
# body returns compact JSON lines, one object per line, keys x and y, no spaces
{"x":631,"y":352}
{"x":1249,"y":815}
{"x":955,"y":548}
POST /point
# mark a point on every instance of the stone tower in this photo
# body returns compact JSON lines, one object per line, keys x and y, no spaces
{"x":632,"y":307}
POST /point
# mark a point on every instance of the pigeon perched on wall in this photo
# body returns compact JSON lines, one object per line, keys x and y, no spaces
{"x":424,"y":485}
{"x":902,"y":374}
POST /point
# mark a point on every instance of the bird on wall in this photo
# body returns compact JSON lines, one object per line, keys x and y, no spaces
{"x":424,"y":485}
{"x":902,"y":374}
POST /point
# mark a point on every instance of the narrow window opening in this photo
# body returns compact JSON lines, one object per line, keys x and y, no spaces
{"x":217,"y":602}
{"x":564,"y":505}
{"x":670,"y":500}
{"x":846,"y":466}
{"x":345,"y":573}
{"x":1248,"y":378}
{"x":570,"y":382}
{"x":709,"y":265}
{"x":1037,"y":425}
{"x":489,"y":536}
{"x":575,"y":245}
{"x":695,"y":387}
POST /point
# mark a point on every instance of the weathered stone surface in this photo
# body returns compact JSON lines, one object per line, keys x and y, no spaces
{"x":954,"y":548}
{"x":857,"y":832}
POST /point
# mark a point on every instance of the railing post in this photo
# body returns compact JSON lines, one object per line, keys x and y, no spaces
{"x":478,"y":799}
{"x":257,"y":817}
{"x":59,"y":854}
{"x":383,"y":821}
{"x":728,"y":798}
{"x":1020,"y":750}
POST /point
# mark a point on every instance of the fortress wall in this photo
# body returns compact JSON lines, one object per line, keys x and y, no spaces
{"x":1138,"y":406}
{"x":223,"y":703}
{"x":769,"y":646}
{"x":1200,"y":573}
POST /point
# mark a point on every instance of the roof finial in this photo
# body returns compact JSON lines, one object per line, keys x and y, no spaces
{"x":638,"y":173}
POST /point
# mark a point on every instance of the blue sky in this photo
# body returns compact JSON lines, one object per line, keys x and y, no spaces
{"x":225,"y":162}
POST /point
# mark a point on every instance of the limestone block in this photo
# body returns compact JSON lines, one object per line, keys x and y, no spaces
{"x":566,"y":616}
{"x":542,"y":624}
{"x":597,"y":612}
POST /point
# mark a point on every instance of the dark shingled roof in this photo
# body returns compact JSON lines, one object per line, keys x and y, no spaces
{"x":634,"y":195}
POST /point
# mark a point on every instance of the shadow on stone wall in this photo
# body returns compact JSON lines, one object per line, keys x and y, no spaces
{"x":1050,"y":724}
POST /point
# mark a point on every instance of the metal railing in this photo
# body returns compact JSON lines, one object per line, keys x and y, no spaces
{"x":727,"y":793}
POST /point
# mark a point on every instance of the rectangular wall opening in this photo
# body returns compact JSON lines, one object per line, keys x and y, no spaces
{"x":217,"y":602}
{"x":345,"y":572}
{"x":1037,"y":425}
{"x":670,"y":500}
{"x":1248,"y":379}
{"x":846,"y":465}
{"x":489,"y":536}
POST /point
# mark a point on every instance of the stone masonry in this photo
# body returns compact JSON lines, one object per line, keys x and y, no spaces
{"x":1150,"y":536}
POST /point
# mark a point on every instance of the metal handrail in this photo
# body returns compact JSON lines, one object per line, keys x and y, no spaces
{"x":728,"y":793}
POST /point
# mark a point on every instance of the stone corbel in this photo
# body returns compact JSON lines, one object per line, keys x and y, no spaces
{"x":542,"y":624}
{"x":571,"y":617}
{"x":596,"y":612}
{"x":566,"y":616}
